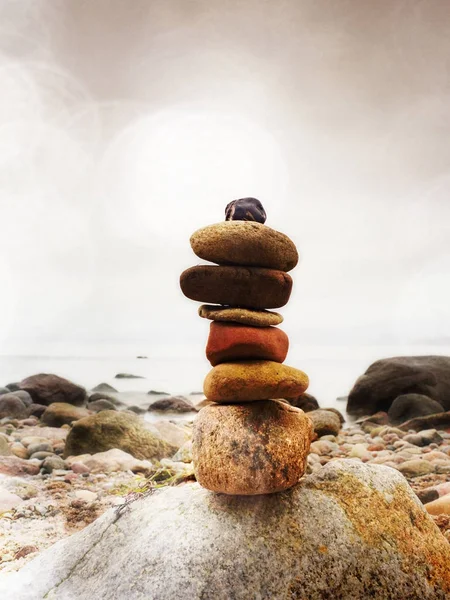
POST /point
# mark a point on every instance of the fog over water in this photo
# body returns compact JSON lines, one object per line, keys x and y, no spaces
{"x":125,"y":126}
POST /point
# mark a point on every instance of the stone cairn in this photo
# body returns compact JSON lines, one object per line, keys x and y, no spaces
{"x":246,"y":441}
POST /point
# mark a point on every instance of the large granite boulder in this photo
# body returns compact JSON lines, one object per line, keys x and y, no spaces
{"x":350,"y":531}
{"x":388,"y":378}
{"x":48,"y":388}
{"x":112,"y":429}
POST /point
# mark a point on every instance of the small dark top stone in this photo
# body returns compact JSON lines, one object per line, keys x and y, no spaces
{"x":245,"y":209}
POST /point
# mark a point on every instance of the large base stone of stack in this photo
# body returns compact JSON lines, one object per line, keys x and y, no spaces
{"x":254,"y":448}
{"x":249,"y":287}
{"x":244,"y":316}
{"x":232,"y":342}
{"x":245,"y":243}
{"x":251,"y":380}
{"x":351,"y":531}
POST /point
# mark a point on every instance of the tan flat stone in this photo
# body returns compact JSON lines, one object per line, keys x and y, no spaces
{"x":244,"y":316}
{"x":248,"y":449}
{"x":245,"y":243}
{"x":251,"y":380}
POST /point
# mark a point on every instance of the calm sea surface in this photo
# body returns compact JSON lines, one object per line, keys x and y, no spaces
{"x":332,"y":370}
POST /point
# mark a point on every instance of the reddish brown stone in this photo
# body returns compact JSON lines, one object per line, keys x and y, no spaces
{"x":248,"y":287}
{"x":230,"y":342}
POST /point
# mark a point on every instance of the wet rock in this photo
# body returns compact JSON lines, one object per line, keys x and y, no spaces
{"x":305,"y":402}
{"x":101,"y":404}
{"x":104,"y":387}
{"x":36,"y":410}
{"x":127,"y":376}
{"x":324,"y":529}
{"x":438,"y":421}
{"x":48,"y":388}
{"x":427,"y":495}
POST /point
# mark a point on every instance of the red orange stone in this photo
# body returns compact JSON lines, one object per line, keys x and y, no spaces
{"x":232,"y":342}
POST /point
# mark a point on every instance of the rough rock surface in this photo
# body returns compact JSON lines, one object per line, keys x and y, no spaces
{"x":112,"y":429}
{"x":388,"y":378}
{"x":410,"y":406}
{"x":248,"y":287}
{"x":15,"y":466}
{"x":110,"y":461}
{"x":61,"y":413}
{"x":253,"y":380}
{"x":228,"y":342}
{"x":349,"y":531}
{"x":245,"y":243}
{"x":47,"y":388}
{"x":254,"y":448}
{"x":244,"y":316}
{"x":325,"y":422}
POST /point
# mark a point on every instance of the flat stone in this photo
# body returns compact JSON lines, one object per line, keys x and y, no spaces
{"x":415,"y":468}
{"x":229,"y":342}
{"x":247,"y":381}
{"x":245,"y":243}
{"x":244,"y":316}
{"x":248,"y":449}
{"x":248,"y":287}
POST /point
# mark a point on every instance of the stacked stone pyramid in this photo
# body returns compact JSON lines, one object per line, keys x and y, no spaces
{"x":247,"y":441}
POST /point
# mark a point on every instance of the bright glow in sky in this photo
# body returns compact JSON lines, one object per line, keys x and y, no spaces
{"x":125,"y":126}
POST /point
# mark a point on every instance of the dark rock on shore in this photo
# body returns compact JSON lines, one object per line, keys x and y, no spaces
{"x":127,"y":376}
{"x":325,"y":422}
{"x":389,"y":378}
{"x":410,"y":406}
{"x":36,"y":410}
{"x":156,"y":393}
{"x":101,"y":404}
{"x":48,"y":388}
{"x":438,"y":421}
{"x":175,"y":403}
{"x":105,"y":396}
{"x":112,"y":429}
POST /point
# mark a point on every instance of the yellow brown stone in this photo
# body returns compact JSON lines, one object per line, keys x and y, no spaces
{"x":245,"y":243}
{"x":250,"y":380}
{"x":248,"y":449}
{"x":244,"y":316}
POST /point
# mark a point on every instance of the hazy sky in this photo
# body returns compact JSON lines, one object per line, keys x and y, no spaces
{"x":126,"y":125}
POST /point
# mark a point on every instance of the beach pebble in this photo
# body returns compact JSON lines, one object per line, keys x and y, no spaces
{"x":254,"y":380}
{"x":439,"y":506}
{"x":8,"y":500}
{"x":360,"y":451}
{"x":52,"y":463}
{"x":178,"y":404}
{"x":324,"y":422}
{"x":62,"y":413}
{"x":12,"y":406}
{"x":15,"y":466}
{"x":427,"y":495}
{"x":248,"y":287}
{"x":39,"y":447}
{"x":41,"y":455}
{"x":85,"y":495}
{"x":79,"y":467}
{"x":19,"y":450}
{"x":416,"y":468}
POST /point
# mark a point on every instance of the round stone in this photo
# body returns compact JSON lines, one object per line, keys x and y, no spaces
{"x":245,"y":243}
{"x":249,"y":449}
{"x":247,"y":381}
{"x":248,"y":287}
{"x":230,"y":342}
{"x":244,"y":316}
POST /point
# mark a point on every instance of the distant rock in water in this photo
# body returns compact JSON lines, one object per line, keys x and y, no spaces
{"x":155,"y":393}
{"x":128,"y":376}
{"x":175,"y":403}
{"x":142,"y":357}
{"x":437,"y":421}
{"x":389,"y":378}
{"x":104,"y":387}
{"x":46,"y":388}
{"x":347,"y":532}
